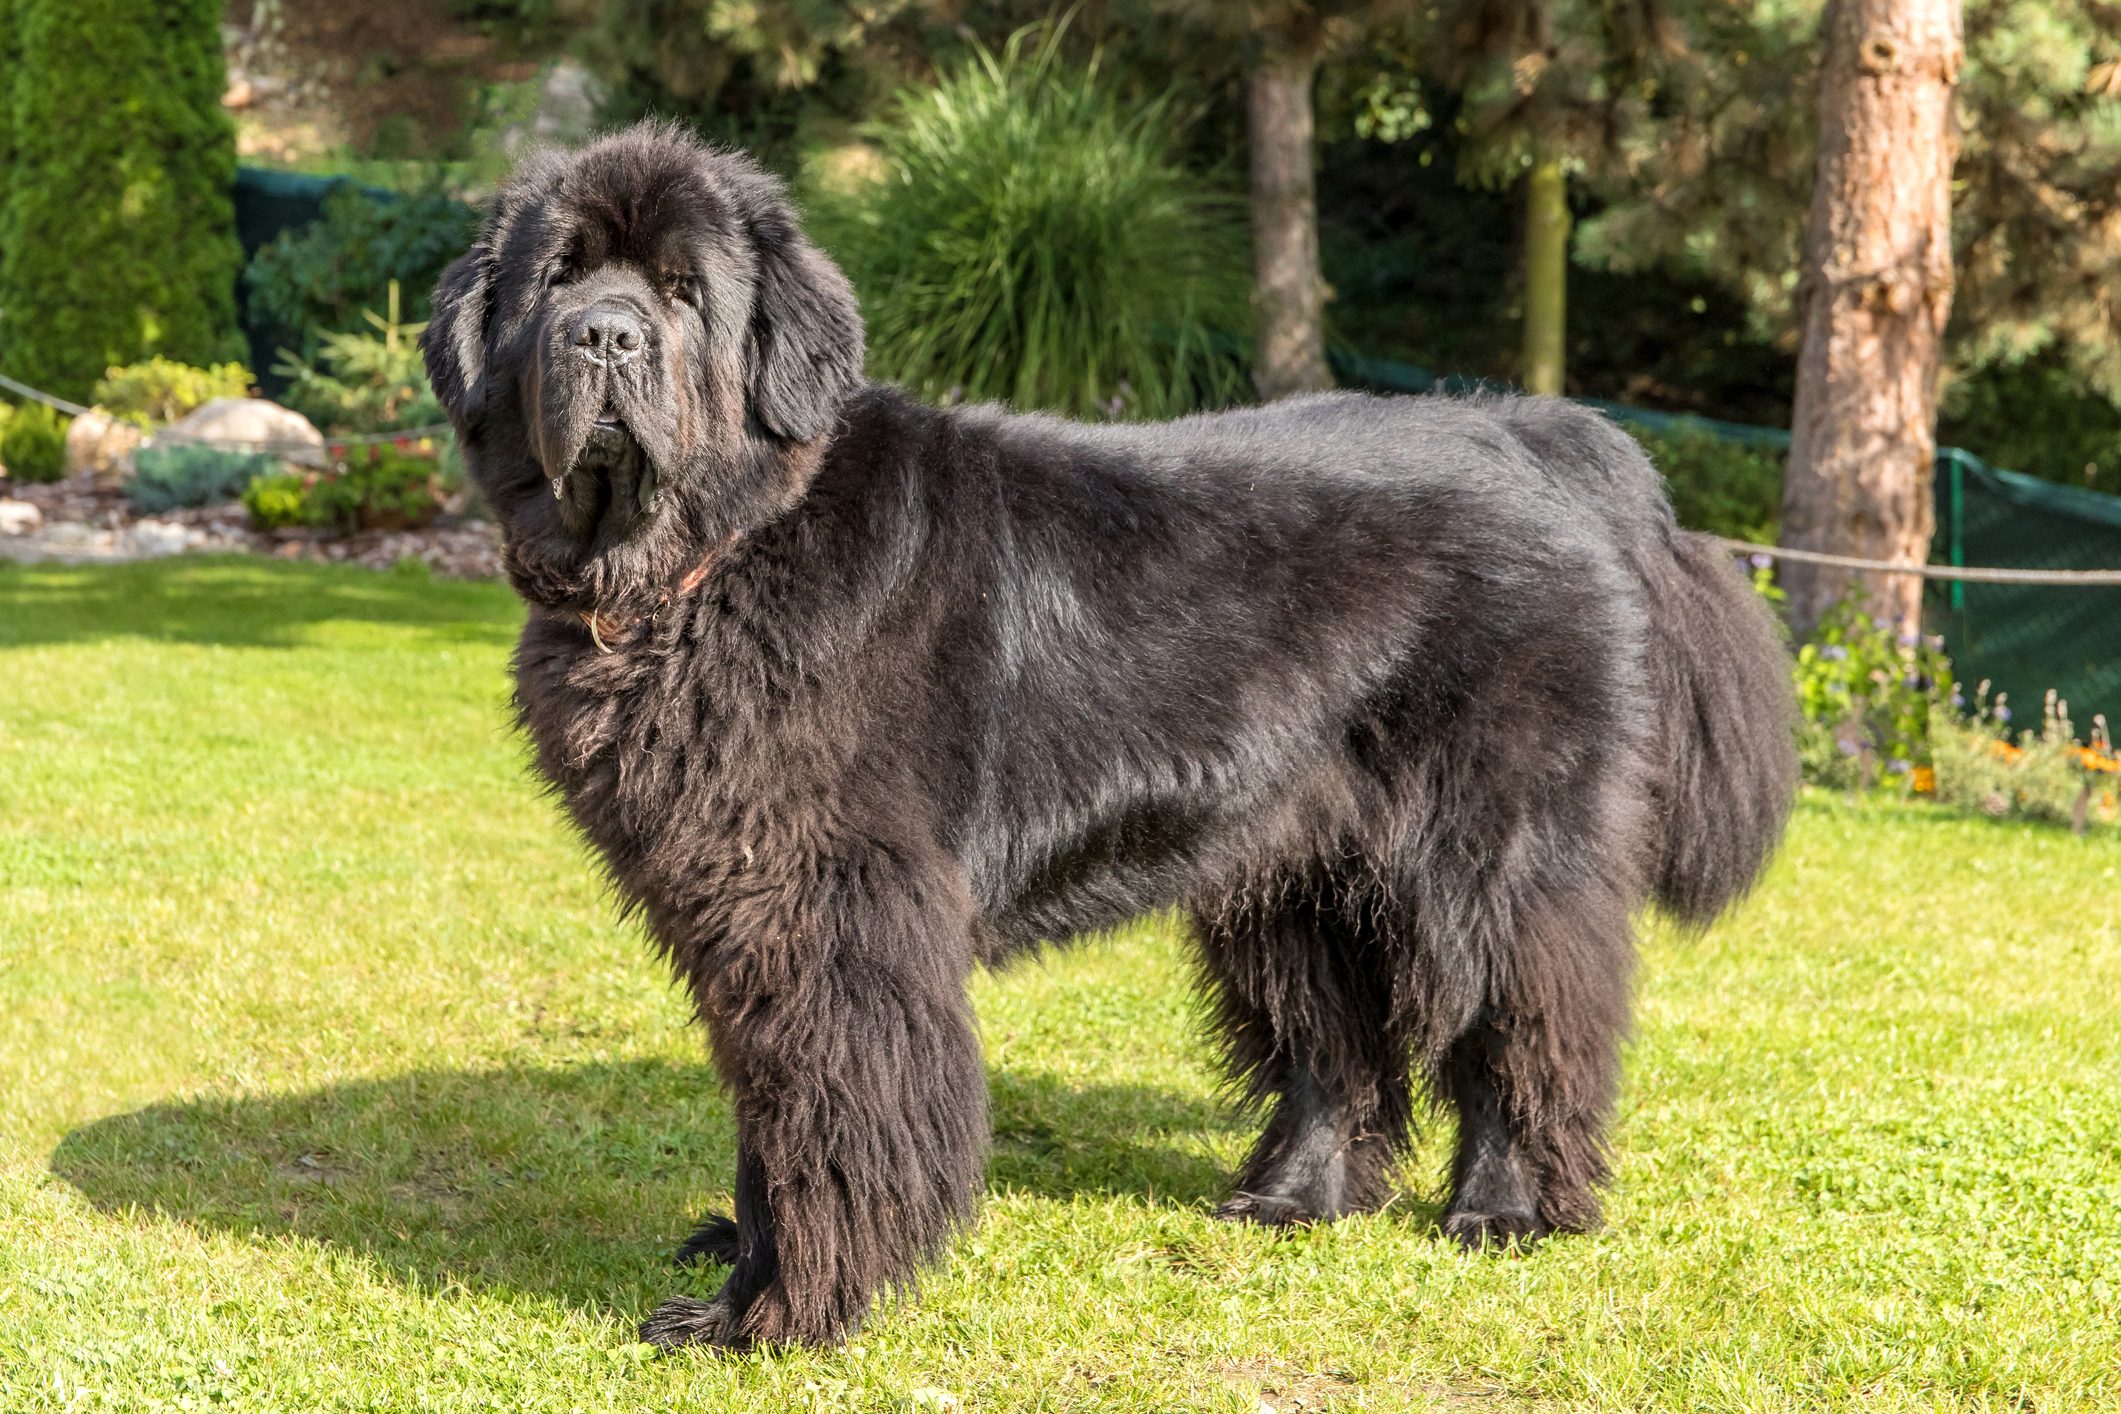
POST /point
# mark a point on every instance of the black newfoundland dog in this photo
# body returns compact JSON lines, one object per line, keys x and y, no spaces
{"x":1407,"y":703}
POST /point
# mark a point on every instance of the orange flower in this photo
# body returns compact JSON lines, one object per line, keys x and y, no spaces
{"x":2005,"y":751}
{"x":1923,"y":781}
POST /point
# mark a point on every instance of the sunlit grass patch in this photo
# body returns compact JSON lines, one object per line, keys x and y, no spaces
{"x":331,"y":1084}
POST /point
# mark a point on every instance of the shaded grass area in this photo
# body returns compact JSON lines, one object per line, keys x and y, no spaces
{"x":331,"y":1084}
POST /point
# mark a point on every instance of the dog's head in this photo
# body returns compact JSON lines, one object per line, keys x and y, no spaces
{"x":641,"y":354}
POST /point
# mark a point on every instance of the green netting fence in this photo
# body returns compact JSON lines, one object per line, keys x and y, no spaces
{"x":2027,"y":638}
{"x":2023,"y":638}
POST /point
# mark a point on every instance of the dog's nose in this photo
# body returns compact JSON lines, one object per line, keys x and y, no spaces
{"x":608,"y":334}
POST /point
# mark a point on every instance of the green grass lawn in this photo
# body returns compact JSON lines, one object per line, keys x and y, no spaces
{"x":331,"y":1083}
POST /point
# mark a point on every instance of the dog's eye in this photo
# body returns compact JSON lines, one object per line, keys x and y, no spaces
{"x":682,"y":288}
{"x":561,"y":274}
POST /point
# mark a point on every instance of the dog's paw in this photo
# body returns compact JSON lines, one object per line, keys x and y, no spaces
{"x":1476,"y":1231}
{"x":686,"y":1320}
{"x":1267,"y":1210}
{"x":714,"y":1240}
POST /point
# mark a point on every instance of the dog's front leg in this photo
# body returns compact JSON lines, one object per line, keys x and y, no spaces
{"x":861,"y":1119}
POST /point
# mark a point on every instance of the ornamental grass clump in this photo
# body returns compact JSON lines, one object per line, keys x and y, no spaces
{"x":1033,"y":239}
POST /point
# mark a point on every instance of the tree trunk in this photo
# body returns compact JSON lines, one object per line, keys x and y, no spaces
{"x":1877,"y":290}
{"x":1290,"y":291}
{"x":1546,"y":275}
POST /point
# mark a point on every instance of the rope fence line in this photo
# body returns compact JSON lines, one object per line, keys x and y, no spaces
{"x":277,"y":448}
{"x":49,"y":400}
{"x":1968,"y":573}
{"x":288,"y":449}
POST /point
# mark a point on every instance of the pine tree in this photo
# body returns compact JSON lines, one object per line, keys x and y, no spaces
{"x":750,"y":72}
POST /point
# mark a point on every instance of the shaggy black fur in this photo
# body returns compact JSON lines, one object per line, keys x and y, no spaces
{"x":1410,"y":703}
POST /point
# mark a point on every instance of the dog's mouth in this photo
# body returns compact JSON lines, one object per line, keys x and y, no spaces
{"x":611,"y":487}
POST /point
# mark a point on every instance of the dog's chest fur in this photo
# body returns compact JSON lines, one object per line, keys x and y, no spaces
{"x":616,"y":734}
{"x":730,"y":748}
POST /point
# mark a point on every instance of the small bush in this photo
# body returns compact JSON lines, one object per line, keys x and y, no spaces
{"x":1880,"y":710}
{"x":363,"y":382}
{"x":322,"y":278}
{"x":167,"y":478}
{"x":278,"y":500}
{"x":1719,"y":486}
{"x":1866,"y":693}
{"x":386,"y":490}
{"x":2037,"y":775}
{"x":1033,"y":238}
{"x":163,"y":390}
{"x":34,"y":446}
{"x":2037,"y":417}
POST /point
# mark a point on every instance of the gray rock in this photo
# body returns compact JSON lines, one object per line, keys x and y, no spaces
{"x":250,"y":425}
{"x":19,"y":517}
{"x":159,"y":537}
{"x":100,"y":446}
{"x":70,"y":535}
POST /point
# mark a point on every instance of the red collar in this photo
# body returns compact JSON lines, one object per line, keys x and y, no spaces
{"x":609,"y":631}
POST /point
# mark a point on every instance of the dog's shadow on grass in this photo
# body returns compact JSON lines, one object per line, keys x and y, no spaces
{"x":576,"y":1181}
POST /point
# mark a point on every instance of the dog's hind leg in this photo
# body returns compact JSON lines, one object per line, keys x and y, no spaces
{"x":1303,"y":1004}
{"x":1534,"y":1078}
{"x":715,"y":1240}
{"x":720,"y":1239}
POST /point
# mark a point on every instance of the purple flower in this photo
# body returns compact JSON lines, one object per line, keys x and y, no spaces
{"x":1834,"y":653}
{"x":1897,"y":766}
{"x":1936,"y":641}
{"x":2003,"y":714}
{"x":1759,"y":561}
{"x":1848,"y":748}
{"x":1882,"y":625}
{"x":1909,"y":640}
{"x":1958,"y":698}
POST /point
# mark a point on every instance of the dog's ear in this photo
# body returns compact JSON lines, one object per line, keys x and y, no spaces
{"x":805,"y":342}
{"x":454,"y":342}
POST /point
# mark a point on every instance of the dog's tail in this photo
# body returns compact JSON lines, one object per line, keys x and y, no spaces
{"x":1728,"y":755}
